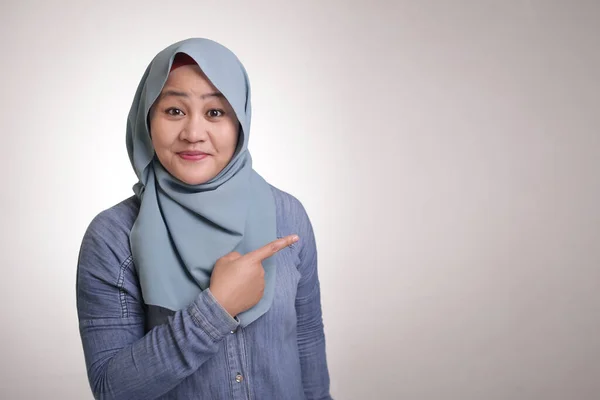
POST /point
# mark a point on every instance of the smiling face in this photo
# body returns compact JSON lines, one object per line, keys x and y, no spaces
{"x":193,"y":127}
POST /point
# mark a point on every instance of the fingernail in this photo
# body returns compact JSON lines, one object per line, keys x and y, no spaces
{"x":295,"y":238}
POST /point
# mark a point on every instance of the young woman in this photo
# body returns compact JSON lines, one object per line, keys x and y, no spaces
{"x":204,"y":284}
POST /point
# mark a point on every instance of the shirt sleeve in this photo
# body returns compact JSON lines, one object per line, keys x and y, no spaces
{"x":311,"y":337}
{"x":124,"y":362}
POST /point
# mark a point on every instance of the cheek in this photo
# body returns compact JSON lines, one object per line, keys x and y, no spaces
{"x":229,"y":139}
{"x":160,"y":134}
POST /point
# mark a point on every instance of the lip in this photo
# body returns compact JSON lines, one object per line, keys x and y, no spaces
{"x":192,"y":155}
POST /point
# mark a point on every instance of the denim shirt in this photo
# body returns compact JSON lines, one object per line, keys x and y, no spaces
{"x":136,"y":351}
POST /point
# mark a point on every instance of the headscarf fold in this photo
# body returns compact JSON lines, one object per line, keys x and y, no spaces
{"x":181,"y":229}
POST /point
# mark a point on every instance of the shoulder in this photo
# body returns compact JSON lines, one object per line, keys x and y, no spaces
{"x":118,"y":219}
{"x":104,"y":263}
{"x":290,"y":211}
{"x":110,"y":228}
{"x":292,"y":218}
{"x":122,"y":214}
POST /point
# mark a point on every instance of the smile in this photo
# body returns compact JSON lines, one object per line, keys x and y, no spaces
{"x":192,"y":155}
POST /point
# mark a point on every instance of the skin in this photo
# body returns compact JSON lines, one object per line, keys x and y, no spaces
{"x":191,"y":116}
{"x":238,"y":282}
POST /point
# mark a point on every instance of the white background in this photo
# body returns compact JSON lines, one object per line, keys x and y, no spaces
{"x":447,"y":152}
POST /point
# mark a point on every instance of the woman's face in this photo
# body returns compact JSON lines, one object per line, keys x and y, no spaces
{"x":193,"y":127}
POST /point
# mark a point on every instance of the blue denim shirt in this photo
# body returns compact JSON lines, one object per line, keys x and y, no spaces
{"x":135,"y":351}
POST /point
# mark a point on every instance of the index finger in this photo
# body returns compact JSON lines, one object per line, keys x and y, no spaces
{"x":268,"y":250}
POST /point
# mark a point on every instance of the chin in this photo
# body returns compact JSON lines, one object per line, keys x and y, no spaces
{"x":195,"y":179}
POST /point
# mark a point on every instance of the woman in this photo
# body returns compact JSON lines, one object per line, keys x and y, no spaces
{"x":204,"y":284}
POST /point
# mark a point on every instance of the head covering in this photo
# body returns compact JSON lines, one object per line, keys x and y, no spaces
{"x":180,"y":60}
{"x":181,"y":229}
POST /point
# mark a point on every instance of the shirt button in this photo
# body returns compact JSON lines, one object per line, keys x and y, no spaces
{"x":232,"y":332}
{"x":239,"y":378}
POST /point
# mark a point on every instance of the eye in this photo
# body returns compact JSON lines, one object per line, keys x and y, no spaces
{"x":174,"y":112}
{"x":214,"y":113}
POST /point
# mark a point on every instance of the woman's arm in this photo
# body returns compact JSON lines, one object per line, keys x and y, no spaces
{"x":123,"y":362}
{"x":311,"y":338}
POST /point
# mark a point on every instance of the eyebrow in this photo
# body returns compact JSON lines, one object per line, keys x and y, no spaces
{"x":175,"y":93}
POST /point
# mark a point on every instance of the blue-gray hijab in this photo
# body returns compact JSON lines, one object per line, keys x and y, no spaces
{"x":182,"y":230}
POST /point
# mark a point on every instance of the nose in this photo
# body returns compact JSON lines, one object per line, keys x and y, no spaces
{"x":195,"y":129}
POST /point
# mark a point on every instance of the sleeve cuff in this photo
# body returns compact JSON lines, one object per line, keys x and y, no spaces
{"x":208,"y":314}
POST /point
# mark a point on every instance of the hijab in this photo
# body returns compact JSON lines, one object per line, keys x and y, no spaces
{"x":182,"y":230}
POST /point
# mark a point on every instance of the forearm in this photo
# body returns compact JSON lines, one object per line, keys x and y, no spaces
{"x":311,"y":345}
{"x":123,"y":363}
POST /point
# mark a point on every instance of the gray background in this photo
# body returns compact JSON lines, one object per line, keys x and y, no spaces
{"x":447,"y":152}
